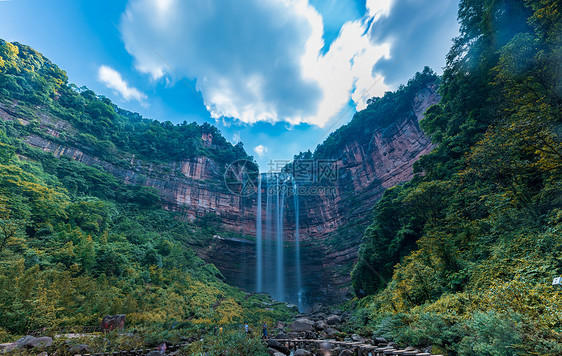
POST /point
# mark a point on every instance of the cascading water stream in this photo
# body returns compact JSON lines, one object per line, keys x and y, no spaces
{"x":300,"y":291}
{"x":277,"y":273}
{"x":268,"y":233}
{"x":259,"y":241}
{"x":279,"y":285}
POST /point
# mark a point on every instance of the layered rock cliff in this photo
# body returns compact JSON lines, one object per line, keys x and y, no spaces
{"x":194,"y":187}
{"x":331,"y":220}
{"x":334,"y":214}
{"x":364,"y":172}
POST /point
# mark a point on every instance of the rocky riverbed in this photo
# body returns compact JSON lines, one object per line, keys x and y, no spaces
{"x":325,"y":331}
{"x":321,"y":331}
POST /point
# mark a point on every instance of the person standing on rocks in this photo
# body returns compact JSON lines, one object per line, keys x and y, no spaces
{"x":264,"y":330}
{"x":246,"y":328}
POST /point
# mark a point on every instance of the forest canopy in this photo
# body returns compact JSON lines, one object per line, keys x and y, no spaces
{"x":462,"y":257}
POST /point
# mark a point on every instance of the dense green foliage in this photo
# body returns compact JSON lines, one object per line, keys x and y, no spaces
{"x":233,"y":342}
{"x":378,"y":115}
{"x":75,"y":242}
{"x":28,"y":76}
{"x":463,"y":256}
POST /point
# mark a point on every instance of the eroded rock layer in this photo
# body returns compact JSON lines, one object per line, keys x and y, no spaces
{"x":331,"y":221}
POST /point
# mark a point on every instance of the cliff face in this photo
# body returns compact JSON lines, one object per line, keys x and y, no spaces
{"x":334,"y":215}
{"x":331,"y":220}
{"x":194,"y":187}
{"x":236,"y":259}
{"x":336,"y":221}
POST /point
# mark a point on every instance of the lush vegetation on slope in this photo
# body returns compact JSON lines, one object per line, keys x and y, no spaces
{"x":463,"y":256}
{"x":27,"y":75}
{"x":75,"y":242}
{"x":379,"y":114}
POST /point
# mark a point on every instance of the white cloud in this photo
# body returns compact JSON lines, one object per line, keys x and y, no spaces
{"x":346,"y":71}
{"x":378,"y":8}
{"x":258,"y":60}
{"x":260,"y":150}
{"x":113,"y":80}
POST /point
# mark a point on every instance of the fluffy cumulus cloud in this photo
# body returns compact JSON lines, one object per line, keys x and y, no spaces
{"x":260,"y":150}
{"x":260,"y":60}
{"x":113,"y":80}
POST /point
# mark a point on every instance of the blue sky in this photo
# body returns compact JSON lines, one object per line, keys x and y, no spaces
{"x":278,"y":75}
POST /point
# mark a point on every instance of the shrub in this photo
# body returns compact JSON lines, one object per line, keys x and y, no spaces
{"x":230,"y":343}
{"x":492,"y":333}
{"x":429,"y":329}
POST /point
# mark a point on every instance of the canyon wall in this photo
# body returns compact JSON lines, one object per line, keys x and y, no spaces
{"x":364,"y":172}
{"x":331,"y":221}
{"x":333,"y":215}
{"x":194,"y":187}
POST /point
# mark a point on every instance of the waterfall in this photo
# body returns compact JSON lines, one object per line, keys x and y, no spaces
{"x":279,"y":241}
{"x":300,"y":291}
{"x":259,"y":242}
{"x":277,"y":273}
{"x":268,"y":234}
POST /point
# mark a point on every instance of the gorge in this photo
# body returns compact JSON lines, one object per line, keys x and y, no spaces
{"x":432,"y":219}
{"x":332,"y":218}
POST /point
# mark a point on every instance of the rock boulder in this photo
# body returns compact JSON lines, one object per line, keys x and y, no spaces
{"x":320,"y":325}
{"x":35,"y":342}
{"x":302,"y":325}
{"x":113,"y":322}
{"x":281,"y":336}
{"x":274,"y":344}
{"x":333,"y":319}
{"x":79,"y":349}
{"x":331,"y":332}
